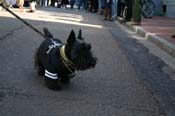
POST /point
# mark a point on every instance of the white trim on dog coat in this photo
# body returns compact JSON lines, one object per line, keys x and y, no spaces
{"x":51,"y":75}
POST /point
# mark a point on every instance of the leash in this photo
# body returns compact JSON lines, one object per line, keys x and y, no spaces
{"x":22,"y":20}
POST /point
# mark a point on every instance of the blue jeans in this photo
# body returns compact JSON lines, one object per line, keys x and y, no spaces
{"x":82,"y":3}
{"x":114,"y":8}
{"x":44,"y":2}
{"x":72,"y":2}
{"x":100,"y":4}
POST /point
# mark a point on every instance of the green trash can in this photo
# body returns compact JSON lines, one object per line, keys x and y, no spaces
{"x":136,"y":12}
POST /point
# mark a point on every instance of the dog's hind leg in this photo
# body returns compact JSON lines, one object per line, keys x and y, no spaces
{"x":52,"y":84}
{"x":40,"y":70}
{"x":38,"y":66}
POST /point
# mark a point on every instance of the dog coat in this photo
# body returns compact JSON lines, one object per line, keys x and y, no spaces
{"x":50,"y":58}
{"x":49,"y":55}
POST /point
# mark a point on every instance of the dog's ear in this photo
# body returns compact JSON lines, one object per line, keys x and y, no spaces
{"x":47,"y":33}
{"x":71,"y":39}
{"x":80,"y":35}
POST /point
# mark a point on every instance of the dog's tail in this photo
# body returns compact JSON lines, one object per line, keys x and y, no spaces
{"x":37,"y":64}
{"x":36,"y":59}
{"x":47,"y":33}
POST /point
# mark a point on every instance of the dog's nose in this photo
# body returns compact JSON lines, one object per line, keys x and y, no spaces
{"x":88,"y":46}
{"x":94,"y":62}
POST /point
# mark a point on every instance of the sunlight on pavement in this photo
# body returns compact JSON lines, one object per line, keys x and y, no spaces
{"x":57,"y":17}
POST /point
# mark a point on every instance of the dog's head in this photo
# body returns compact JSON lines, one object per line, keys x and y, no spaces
{"x":77,"y":50}
{"x":80,"y":52}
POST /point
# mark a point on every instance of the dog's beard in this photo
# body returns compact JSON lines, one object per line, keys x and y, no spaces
{"x":83,"y":63}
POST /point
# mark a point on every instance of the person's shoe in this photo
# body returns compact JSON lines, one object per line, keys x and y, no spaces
{"x":31,"y":11}
{"x":105,"y":19}
{"x":110,"y":19}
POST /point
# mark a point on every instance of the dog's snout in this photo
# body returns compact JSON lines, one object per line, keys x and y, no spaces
{"x":94,"y":62}
{"x":89,"y":46}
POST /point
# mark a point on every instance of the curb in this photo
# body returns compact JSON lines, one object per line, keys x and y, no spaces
{"x":159,"y":41}
{"x":169,"y":48}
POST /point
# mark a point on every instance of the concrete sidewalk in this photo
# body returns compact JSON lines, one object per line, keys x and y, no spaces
{"x":158,"y":30}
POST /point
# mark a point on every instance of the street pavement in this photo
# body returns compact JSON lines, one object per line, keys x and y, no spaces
{"x":127,"y":81}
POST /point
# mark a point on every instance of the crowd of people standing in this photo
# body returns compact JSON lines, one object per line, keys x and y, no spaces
{"x":109,"y":8}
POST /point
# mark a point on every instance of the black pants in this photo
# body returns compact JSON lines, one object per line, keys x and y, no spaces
{"x":129,"y":10}
{"x":120,"y":8}
{"x":164,"y":8}
{"x":93,"y":6}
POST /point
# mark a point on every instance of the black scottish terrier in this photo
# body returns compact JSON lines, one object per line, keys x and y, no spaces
{"x":57,"y":62}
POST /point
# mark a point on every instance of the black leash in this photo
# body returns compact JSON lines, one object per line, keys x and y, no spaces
{"x":22,"y":20}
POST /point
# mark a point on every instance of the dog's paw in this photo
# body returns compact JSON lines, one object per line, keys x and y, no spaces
{"x":55,"y":87}
{"x":52,"y":84}
{"x":65,"y":80}
{"x":71,"y":75}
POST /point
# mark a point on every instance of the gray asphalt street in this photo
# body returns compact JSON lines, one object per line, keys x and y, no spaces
{"x":127,"y":81}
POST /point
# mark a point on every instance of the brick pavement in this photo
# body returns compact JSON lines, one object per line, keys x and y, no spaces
{"x":161,"y":26}
{"x":158,"y":30}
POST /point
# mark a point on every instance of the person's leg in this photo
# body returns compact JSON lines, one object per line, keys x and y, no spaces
{"x":164,"y":10}
{"x":119,"y":6}
{"x":80,"y":4}
{"x":20,"y":4}
{"x":91,"y":5}
{"x":85,"y":5}
{"x":95,"y":6}
{"x":114,"y":9}
{"x":99,"y":5}
{"x":129,"y":10}
{"x":105,"y":13}
{"x":110,"y":12}
{"x":122,"y":8}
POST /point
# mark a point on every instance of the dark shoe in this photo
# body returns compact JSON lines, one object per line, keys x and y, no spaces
{"x":105,"y":19}
{"x":110,"y":19}
{"x":31,"y":11}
